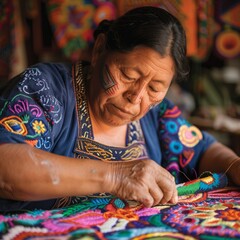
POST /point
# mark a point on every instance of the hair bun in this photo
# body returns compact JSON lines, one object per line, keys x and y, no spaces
{"x":103,"y":27}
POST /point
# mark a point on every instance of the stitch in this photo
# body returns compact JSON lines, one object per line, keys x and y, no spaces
{"x":36,"y":111}
{"x":23,"y":106}
{"x":14,"y":124}
{"x":53,"y":105}
{"x":33,"y":136}
{"x":44,"y":142}
{"x":203,"y":184}
{"x":25,"y":118}
{"x":29,"y":75}
{"x":31,"y":142}
{"x":30,"y":72}
{"x":44,"y":86}
{"x":39,"y":127}
{"x":5,"y":104}
{"x":189,"y":136}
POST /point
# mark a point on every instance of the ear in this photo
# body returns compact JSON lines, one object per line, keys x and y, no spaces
{"x":98,"y":49}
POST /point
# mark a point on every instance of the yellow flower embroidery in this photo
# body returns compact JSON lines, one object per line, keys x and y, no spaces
{"x":39,"y":127}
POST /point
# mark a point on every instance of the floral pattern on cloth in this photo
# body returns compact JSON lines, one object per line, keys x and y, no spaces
{"x":178,"y":138}
{"x":212,"y":215}
{"x":32,"y":111}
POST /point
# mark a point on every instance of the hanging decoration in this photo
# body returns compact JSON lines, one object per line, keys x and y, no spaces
{"x":74,"y":21}
{"x":227,"y":43}
{"x":205,"y":28}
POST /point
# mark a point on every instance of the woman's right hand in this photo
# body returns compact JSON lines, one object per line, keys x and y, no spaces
{"x":142,"y":180}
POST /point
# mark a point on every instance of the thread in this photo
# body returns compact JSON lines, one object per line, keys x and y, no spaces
{"x":234,"y":161}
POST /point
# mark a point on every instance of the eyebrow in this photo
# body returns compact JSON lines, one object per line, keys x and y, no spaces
{"x":142,"y":74}
{"x":139,"y":71}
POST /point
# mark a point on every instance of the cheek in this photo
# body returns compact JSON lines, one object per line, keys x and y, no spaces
{"x":145,"y":107}
{"x":108,"y":82}
{"x":150,"y":104}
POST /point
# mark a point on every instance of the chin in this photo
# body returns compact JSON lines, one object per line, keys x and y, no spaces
{"x":117,"y":122}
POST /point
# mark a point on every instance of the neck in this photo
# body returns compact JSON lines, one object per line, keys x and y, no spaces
{"x":106,"y":134}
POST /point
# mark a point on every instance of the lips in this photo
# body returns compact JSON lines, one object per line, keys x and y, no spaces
{"x":123,"y":110}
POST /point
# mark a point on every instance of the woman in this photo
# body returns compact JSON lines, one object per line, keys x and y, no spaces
{"x":105,"y":126}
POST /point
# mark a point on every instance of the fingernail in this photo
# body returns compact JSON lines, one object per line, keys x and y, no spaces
{"x":147,"y":202}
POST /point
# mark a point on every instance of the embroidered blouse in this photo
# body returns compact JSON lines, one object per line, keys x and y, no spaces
{"x":46,"y":107}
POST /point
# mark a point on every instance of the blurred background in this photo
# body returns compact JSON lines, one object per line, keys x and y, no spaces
{"x":34,"y":31}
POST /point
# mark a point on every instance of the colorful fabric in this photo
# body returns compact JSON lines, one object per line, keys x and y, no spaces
{"x":73,"y":23}
{"x":181,"y":143}
{"x":205,"y":28}
{"x":39,"y":108}
{"x":227,"y":12}
{"x":212,"y":215}
{"x":204,"y":184}
{"x":228,"y":38}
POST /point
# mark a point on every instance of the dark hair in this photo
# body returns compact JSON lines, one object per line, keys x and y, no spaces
{"x":149,"y":26}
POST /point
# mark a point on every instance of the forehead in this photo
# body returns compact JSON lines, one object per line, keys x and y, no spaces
{"x":143,"y":60}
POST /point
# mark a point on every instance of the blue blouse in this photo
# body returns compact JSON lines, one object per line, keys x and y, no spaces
{"x":46,"y":107}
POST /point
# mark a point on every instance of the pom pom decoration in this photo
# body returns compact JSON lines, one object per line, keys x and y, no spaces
{"x":228,"y":44}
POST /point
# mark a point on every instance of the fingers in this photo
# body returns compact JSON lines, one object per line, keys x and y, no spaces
{"x":143,"y":181}
{"x":167,"y":184}
{"x":163,"y":194}
{"x":155,"y":193}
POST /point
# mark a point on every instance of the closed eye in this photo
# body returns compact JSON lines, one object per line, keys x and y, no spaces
{"x":153,"y":89}
{"x":129,"y":78}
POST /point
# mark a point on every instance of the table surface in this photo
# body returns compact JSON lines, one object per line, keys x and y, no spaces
{"x":211,"y":215}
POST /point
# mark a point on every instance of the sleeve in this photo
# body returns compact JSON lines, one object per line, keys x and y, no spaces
{"x":32,"y":106}
{"x":182,"y":144}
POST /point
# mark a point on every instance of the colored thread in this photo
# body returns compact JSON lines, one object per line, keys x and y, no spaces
{"x":234,"y":161}
{"x":212,"y":182}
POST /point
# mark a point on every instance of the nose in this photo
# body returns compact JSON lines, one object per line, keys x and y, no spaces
{"x":135,"y":95}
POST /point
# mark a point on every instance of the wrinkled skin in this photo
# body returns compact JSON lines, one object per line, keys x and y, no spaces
{"x":142,"y":180}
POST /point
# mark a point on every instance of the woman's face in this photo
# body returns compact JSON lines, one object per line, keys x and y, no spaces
{"x":125,"y":86}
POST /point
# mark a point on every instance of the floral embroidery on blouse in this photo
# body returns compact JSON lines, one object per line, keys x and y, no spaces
{"x":33,"y":110}
{"x":177,"y":138}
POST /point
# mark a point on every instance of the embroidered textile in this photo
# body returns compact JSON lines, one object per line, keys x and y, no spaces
{"x":228,"y":36}
{"x":212,"y":215}
{"x":204,"y":184}
{"x":73,"y":22}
